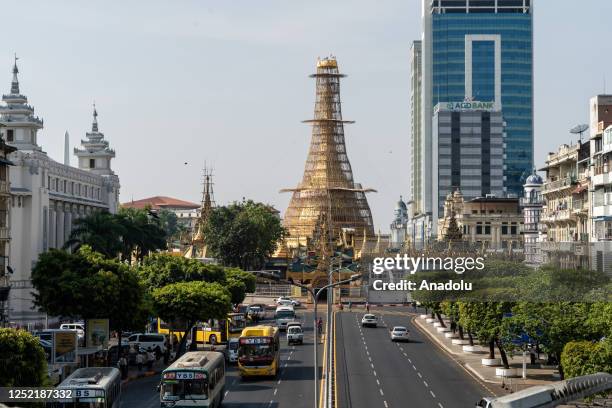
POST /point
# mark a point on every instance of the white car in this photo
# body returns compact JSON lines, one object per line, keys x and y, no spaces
{"x":287,"y":301}
{"x":78,"y":327}
{"x":295,"y":333}
{"x":148,"y":341}
{"x":232,"y":350}
{"x":369,"y":320}
{"x":399,"y":333}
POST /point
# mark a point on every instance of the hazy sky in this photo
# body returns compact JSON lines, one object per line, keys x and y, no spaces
{"x":226,"y":82}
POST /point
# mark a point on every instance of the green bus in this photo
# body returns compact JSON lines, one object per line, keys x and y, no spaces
{"x":196,"y":379}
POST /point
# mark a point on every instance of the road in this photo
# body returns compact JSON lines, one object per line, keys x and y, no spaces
{"x":374,"y":372}
{"x":292,"y":387}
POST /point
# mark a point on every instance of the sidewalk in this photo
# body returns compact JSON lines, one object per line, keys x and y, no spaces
{"x":134,"y":373}
{"x":471,"y":361}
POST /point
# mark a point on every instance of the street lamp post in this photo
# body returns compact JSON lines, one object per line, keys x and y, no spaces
{"x":315,"y":298}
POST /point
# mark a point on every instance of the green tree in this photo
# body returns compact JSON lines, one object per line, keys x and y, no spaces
{"x":190,"y":302}
{"x":99,"y":230}
{"x":159,"y":270}
{"x":143,"y":233}
{"x":23,"y":362}
{"x":243,"y":234}
{"x":86,"y":285}
{"x":585,"y":357}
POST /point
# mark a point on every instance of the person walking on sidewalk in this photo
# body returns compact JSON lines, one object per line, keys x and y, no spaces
{"x":123,"y":366}
{"x":140,"y":360}
{"x":320,"y":327}
{"x":367,"y":307}
{"x":150,"y":359}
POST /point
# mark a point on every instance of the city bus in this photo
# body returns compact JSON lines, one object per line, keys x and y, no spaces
{"x":212,"y":332}
{"x":196,"y":379}
{"x":259,"y":351}
{"x":92,"y":387}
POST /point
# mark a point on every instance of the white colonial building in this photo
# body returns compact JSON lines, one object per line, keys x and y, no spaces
{"x":48,"y":196}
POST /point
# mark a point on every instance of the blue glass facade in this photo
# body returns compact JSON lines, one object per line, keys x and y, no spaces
{"x":449,"y":33}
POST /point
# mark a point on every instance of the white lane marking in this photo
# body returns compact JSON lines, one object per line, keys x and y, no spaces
{"x":425,"y":382}
{"x":370,"y":358}
{"x":278,"y":382}
{"x":410,"y":361}
{"x":432,"y":394}
{"x":440,"y":405}
{"x":413,"y":367}
{"x":374,"y":373}
{"x":381,"y":392}
{"x":385,"y":402}
{"x":372,"y":365}
{"x":377,"y":382}
{"x":226,"y":392}
{"x":405,"y":355}
{"x":289,"y":358}
{"x":419,"y":374}
{"x":401,"y":348}
{"x":275,"y":391}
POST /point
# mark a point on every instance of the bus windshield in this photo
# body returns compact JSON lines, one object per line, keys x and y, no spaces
{"x":237,"y":322}
{"x":256,"y":351}
{"x":285,"y":314}
{"x":184,"y":390}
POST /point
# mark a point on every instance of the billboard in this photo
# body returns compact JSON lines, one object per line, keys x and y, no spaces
{"x":98,"y":333}
{"x":65,"y":347}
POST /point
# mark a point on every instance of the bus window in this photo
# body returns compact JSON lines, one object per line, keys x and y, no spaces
{"x":185,"y":389}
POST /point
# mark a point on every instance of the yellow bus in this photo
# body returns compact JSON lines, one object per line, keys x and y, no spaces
{"x":213,"y":331}
{"x":259,"y":351}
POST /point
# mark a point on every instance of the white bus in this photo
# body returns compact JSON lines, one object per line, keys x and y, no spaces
{"x":284,"y":315}
{"x":197,"y":379}
{"x":92,"y":387}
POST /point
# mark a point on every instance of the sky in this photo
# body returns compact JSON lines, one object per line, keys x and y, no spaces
{"x":183,"y":83}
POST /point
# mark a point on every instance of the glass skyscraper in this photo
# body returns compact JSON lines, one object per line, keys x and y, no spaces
{"x":478,"y":50}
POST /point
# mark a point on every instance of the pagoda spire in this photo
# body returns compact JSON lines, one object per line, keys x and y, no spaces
{"x":15,"y":82}
{"x":94,"y":124}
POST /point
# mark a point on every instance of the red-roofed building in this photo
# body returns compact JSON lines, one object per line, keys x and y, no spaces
{"x":186,"y":211}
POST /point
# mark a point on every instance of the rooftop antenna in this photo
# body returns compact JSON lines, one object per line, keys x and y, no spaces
{"x":579,"y":130}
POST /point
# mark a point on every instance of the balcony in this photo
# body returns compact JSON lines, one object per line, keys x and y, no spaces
{"x":557,"y":216}
{"x":560,"y":184}
{"x":580,"y":205}
{"x":532,"y":202}
{"x":5,"y":233}
{"x":5,"y":187}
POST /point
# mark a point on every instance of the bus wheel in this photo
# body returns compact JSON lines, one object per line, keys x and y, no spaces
{"x":212,"y":339}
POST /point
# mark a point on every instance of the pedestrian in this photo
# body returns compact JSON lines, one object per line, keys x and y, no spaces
{"x":140,"y":360}
{"x":350,"y":305}
{"x":166,"y":355}
{"x":320,"y":326}
{"x":150,"y":359}
{"x":367,"y":307}
{"x":132,"y":354}
{"x":123,"y":366}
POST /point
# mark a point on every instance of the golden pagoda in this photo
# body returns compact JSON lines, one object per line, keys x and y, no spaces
{"x":327,"y":186}
{"x":198,"y":248}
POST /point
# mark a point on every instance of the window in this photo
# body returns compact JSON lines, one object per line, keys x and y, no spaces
{"x":92,"y":163}
{"x":504,"y":230}
{"x":487,"y":230}
{"x":513,"y":230}
{"x":10,"y":135}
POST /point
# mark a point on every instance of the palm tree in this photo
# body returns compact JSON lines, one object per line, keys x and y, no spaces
{"x":143,"y":233}
{"x":100,"y":230}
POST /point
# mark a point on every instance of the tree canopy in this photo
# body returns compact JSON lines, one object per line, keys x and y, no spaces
{"x":24,"y":362}
{"x":243,"y":234}
{"x":85,"y":284}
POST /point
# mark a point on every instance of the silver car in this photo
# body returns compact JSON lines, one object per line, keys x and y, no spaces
{"x":399,"y":333}
{"x":369,"y":320}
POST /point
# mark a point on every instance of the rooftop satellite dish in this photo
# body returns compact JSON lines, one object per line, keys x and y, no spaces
{"x":579,"y":130}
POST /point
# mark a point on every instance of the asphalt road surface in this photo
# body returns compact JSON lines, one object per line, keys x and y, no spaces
{"x":374,"y":372}
{"x":291,"y":388}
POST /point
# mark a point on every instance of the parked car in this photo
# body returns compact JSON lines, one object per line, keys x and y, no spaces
{"x":80,"y":329}
{"x":287,"y":301}
{"x":369,"y":320}
{"x":154,"y":341}
{"x":399,"y":333}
